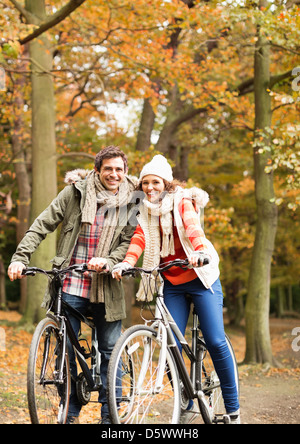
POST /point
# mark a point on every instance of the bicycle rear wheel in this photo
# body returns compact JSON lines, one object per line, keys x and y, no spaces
{"x":214,"y":409}
{"x":48,"y":398}
{"x":133,"y":395}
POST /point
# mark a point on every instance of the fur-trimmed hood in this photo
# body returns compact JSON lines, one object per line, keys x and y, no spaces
{"x":76,"y":175}
{"x":199,"y":197}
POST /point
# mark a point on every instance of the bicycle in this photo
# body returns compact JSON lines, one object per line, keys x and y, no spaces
{"x":48,"y":374}
{"x":148,"y":381}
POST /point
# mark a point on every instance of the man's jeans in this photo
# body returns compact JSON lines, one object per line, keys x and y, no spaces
{"x":107,"y":334}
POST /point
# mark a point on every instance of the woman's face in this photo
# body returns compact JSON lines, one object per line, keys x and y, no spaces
{"x":153,"y":187}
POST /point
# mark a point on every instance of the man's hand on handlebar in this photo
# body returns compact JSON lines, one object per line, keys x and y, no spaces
{"x":98,"y":264}
{"x":15,"y":271}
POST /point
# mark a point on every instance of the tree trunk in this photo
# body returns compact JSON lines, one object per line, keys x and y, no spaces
{"x":2,"y":285}
{"x":146,"y":127}
{"x":258,"y":342}
{"x":22,"y":176}
{"x":281,"y":305}
{"x":44,"y":181}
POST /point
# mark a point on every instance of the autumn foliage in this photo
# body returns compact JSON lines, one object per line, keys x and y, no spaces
{"x":175,"y":77}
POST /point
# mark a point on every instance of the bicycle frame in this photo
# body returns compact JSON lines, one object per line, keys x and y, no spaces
{"x":66,"y":327}
{"x":168,"y":330}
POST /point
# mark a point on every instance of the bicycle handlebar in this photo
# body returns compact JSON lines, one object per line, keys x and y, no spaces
{"x":32,"y":271}
{"x":181,"y":263}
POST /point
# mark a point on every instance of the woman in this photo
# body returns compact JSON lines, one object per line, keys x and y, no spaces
{"x":169,"y":228}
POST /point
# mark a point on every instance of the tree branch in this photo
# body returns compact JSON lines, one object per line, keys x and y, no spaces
{"x":276,"y":79}
{"x":247,"y":86}
{"x":75,"y":154}
{"x":56,"y":18}
{"x":291,"y":3}
{"x":30,"y":18}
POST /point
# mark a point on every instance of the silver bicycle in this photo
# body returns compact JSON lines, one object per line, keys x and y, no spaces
{"x":148,"y":381}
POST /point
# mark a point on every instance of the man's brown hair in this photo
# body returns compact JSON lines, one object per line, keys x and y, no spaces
{"x":110,"y":152}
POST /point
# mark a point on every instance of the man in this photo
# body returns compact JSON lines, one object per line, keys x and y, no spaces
{"x":97,"y":215}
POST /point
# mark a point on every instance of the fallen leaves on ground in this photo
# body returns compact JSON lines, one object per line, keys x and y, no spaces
{"x":14,"y":356}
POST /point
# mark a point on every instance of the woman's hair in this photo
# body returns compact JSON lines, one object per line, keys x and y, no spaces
{"x":170,"y":187}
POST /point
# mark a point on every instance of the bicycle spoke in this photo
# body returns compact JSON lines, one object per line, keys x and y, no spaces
{"x":48,"y":397}
{"x":144,"y":404}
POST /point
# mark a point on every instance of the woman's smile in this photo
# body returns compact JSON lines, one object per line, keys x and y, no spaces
{"x":153,"y":187}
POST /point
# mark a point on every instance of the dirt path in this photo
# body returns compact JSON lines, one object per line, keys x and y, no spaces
{"x":268,"y":396}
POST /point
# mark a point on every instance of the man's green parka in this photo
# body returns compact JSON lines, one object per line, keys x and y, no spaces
{"x":67,"y":208}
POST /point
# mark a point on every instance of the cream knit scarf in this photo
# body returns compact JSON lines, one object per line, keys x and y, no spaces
{"x":150,"y":218}
{"x":153,"y":218}
{"x":97,"y":194}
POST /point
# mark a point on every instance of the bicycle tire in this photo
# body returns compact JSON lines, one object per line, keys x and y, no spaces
{"x":48,"y":398}
{"x":131,"y":378}
{"x":212,"y":406}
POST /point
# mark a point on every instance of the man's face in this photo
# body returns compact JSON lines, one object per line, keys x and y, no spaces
{"x":112,"y":173}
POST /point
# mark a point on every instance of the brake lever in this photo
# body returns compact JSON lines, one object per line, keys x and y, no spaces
{"x":27,"y":272}
{"x":129,"y":273}
{"x":84,"y":268}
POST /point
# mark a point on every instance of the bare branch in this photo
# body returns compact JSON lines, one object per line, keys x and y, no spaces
{"x":30,"y":18}
{"x":278,"y":78}
{"x":75,"y":154}
{"x":291,"y":3}
{"x":56,"y":18}
{"x":247,"y":86}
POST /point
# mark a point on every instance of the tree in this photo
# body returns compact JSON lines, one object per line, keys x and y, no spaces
{"x":188,"y":66}
{"x":258,"y":300}
{"x":44,"y":183}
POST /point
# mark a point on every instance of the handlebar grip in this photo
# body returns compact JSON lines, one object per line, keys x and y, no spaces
{"x":81,"y":268}
{"x":204,"y":261}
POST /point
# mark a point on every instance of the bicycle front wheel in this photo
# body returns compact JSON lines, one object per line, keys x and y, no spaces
{"x":48,"y":395}
{"x":134,"y":395}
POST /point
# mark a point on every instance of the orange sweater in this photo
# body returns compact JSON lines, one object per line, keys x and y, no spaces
{"x":195,"y":234}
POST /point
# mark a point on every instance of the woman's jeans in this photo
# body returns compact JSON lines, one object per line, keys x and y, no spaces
{"x":107,"y":334}
{"x":209,"y":308}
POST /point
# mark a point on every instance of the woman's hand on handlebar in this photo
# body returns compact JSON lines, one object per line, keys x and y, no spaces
{"x":119,"y":269}
{"x":199,"y":259}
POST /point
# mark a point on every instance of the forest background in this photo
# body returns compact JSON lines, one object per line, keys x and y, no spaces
{"x":214,"y":86}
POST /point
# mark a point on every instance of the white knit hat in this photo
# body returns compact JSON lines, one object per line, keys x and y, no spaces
{"x":159,"y":166}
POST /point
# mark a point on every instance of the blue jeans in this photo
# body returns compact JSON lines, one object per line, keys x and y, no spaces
{"x":209,"y":308}
{"x":107,"y":334}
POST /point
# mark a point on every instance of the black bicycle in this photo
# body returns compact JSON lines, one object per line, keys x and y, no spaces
{"x":148,"y":381}
{"x":48,"y":375}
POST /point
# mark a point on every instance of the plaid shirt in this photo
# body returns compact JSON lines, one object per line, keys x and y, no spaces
{"x":88,"y":239}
